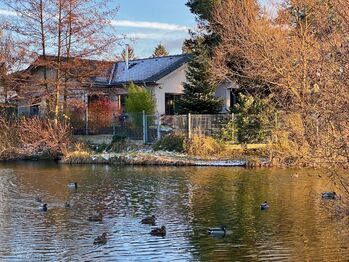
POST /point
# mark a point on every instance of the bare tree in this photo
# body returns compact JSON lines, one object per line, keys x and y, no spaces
{"x":69,"y":30}
{"x":301,"y":58}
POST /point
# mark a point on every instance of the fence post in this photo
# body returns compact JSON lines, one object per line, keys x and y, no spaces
{"x":114,"y":123}
{"x":234,"y":128}
{"x":144,"y":128}
{"x":189,"y":125}
{"x":158,"y":126}
{"x":86,"y":113}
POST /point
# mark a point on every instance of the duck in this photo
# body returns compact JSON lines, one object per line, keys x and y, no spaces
{"x":101,"y":240}
{"x":67,"y":204}
{"x":264,"y":205}
{"x":218,"y":231}
{"x":96,"y":218}
{"x":73,"y":185}
{"x":160,"y":232}
{"x":43,"y":207}
{"x":149,"y":220}
{"x":329,"y":195}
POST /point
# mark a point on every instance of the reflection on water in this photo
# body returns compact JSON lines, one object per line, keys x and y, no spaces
{"x":186,"y":200}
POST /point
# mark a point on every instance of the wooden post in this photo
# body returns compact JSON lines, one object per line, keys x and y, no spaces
{"x":119,"y":102}
{"x":86,"y":113}
{"x":189,"y":125}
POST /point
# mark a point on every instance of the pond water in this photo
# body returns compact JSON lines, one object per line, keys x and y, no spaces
{"x":187,"y":201}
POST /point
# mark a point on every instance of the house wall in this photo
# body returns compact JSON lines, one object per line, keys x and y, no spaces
{"x":172,"y":84}
{"x":223,"y":91}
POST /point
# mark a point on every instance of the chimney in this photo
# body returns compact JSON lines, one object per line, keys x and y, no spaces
{"x":126,"y":57}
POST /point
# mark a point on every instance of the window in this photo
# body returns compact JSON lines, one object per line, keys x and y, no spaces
{"x":171,"y":104}
{"x":232,"y":98}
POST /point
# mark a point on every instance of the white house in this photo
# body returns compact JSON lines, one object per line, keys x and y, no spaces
{"x":163,"y":76}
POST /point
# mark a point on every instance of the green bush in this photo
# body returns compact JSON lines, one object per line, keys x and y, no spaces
{"x":228,"y":133}
{"x":172,"y":142}
{"x":139,"y":99}
{"x":254,"y":118}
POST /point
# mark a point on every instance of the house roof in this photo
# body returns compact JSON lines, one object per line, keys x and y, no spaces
{"x":78,"y":68}
{"x":145,"y":71}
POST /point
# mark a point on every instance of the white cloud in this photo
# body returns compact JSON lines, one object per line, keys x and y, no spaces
{"x":127,"y":23}
{"x":143,"y":35}
{"x":7,"y":13}
{"x":150,"y":25}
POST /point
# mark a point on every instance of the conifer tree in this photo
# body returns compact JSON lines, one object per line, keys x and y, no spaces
{"x":160,"y":51}
{"x":199,"y":90}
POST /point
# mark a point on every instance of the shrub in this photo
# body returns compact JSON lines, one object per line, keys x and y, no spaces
{"x":80,"y":154}
{"x":9,"y":138}
{"x":171,"y":142}
{"x":40,"y":135}
{"x":228,"y":132}
{"x":203,"y":146}
{"x":253,"y":118}
{"x":33,"y":137}
{"x":101,"y":114}
{"x":118,"y":143}
{"x":139,"y":99}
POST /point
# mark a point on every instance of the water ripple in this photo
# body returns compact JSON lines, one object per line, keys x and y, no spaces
{"x":186,"y":200}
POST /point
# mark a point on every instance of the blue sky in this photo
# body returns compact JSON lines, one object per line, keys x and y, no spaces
{"x":149,"y":22}
{"x":173,"y":12}
{"x":146,"y":23}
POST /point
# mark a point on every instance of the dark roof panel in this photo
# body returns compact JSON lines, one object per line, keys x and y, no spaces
{"x":147,"y":70}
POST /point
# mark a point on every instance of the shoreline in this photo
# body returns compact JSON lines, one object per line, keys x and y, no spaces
{"x":146,"y":158}
{"x":158,"y":158}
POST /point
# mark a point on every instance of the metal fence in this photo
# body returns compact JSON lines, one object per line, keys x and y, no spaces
{"x":191,"y":124}
{"x":150,"y":128}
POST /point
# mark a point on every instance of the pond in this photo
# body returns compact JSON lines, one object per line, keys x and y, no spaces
{"x":187,"y":201}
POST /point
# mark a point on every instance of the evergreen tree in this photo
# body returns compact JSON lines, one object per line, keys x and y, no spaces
{"x":131,"y":53}
{"x":202,"y":9}
{"x":199,"y":90}
{"x":160,"y":51}
{"x":187,"y":46}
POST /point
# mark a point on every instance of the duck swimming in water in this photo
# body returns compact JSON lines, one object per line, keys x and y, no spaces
{"x":264,"y":205}
{"x":218,"y":231}
{"x":160,"y":232}
{"x":96,"y":218}
{"x":101,"y":240}
{"x":43,"y":207}
{"x":329,"y":195}
{"x":73,"y":185}
{"x":149,"y":220}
